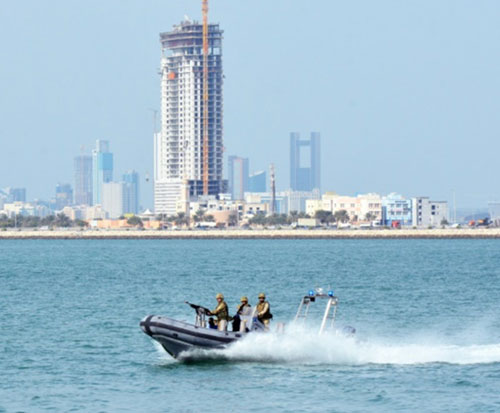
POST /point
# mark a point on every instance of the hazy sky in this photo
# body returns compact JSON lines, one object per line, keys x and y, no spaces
{"x":406,"y":94}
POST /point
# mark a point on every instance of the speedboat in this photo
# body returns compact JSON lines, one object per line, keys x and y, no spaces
{"x":178,"y":338}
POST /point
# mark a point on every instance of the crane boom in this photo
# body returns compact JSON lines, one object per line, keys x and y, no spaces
{"x":204,"y":9}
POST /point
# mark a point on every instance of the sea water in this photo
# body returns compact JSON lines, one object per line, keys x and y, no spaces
{"x":426,"y":313}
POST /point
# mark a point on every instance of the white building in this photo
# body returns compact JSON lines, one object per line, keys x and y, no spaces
{"x":178,"y":146}
{"x":25,"y":209}
{"x":84,"y":212}
{"x":427,"y":213}
{"x":357,"y":207}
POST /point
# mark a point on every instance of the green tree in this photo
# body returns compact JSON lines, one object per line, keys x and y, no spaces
{"x":62,"y":220}
{"x":181,"y":219}
{"x":324,"y":217}
{"x":341,"y":216}
{"x":30,"y":222}
{"x":81,"y":223}
{"x":209,"y":218}
{"x":293,"y":217}
{"x":276,"y":219}
{"x":258,"y":219}
{"x":135,"y":221}
{"x":48,"y":220}
{"x":370,"y":216}
{"x":233,"y":219}
{"x":199,"y":216}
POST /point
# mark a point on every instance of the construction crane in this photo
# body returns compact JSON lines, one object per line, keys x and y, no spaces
{"x":204,"y":10}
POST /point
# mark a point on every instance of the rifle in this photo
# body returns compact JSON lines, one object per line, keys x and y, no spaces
{"x":199,"y":309}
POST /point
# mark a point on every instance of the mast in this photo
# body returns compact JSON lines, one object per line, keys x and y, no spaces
{"x":273,"y":189}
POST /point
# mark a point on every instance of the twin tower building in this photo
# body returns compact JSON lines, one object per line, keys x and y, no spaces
{"x":178,"y":149}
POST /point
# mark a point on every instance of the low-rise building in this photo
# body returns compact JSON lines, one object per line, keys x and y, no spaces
{"x":280,"y":201}
{"x":367,"y":207}
{"x":396,"y":210}
{"x":296,"y":200}
{"x":25,"y":209}
{"x":427,"y":213}
{"x":84,"y":212}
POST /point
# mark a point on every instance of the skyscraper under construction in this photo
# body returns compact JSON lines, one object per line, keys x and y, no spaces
{"x":180,"y":161}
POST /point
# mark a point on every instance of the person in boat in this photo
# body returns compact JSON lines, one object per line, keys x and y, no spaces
{"x":221,"y":312}
{"x":244,"y":309}
{"x":264,"y":311}
{"x":211,"y":323}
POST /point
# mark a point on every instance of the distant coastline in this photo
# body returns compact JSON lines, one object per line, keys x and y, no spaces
{"x":461,"y":233}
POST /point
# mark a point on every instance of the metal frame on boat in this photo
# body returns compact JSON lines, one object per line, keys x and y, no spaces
{"x":330,"y":309}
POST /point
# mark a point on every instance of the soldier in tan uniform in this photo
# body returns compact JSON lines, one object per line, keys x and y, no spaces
{"x":264,"y":311}
{"x":221,"y":312}
{"x":244,"y":309}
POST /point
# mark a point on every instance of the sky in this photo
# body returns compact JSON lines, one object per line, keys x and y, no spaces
{"x":405,"y":94}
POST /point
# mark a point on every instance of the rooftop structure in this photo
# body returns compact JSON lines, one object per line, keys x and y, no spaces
{"x":305,"y":162}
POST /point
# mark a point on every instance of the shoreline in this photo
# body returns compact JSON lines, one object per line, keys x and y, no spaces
{"x":465,"y":233}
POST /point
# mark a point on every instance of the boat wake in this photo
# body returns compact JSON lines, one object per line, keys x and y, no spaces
{"x":299,"y":346}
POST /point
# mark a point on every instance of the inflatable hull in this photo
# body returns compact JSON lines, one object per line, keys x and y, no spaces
{"x":178,"y":337}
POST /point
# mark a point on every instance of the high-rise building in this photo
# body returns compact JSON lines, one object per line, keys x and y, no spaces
{"x":15,"y":194}
{"x":237,"y":175}
{"x":257,"y":182}
{"x":83,"y":180}
{"x":305,"y":164}
{"x":102,"y":169}
{"x":179,"y":154}
{"x":112,"y":194}
{"x":64,"y":196}
{"x":131,"y":192}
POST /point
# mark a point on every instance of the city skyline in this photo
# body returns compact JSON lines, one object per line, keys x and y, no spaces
{"x":413,"y":115}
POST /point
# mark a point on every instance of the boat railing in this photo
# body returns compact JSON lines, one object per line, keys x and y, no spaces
{"x":328,"y":320}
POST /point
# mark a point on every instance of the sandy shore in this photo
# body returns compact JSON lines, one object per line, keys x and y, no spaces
{"x":253,"y":234}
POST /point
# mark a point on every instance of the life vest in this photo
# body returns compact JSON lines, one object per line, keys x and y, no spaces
{"x":267,"y":314}
{"x":221,"y":311}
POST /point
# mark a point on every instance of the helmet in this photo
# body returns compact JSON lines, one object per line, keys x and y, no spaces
{"x":244,"y":298}
{"x":219,"y":295}
{"x":262,"y":295}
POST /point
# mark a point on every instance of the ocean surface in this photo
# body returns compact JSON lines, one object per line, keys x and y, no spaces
{"x":427,"y":315}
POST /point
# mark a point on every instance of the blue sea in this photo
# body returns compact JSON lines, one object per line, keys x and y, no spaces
{"x":426,"y":312}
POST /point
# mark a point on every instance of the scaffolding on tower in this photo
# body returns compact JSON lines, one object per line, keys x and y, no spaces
{"x":204,"y":9}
